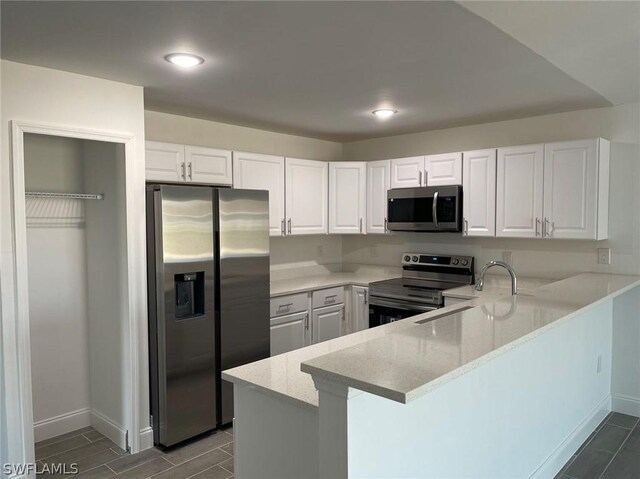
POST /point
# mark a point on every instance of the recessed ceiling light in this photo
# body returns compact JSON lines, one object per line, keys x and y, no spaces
{"x":384,"y":112}
{"x":185,"y":60}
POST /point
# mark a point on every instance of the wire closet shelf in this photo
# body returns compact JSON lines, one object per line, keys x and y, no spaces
{"x":73,"y":196}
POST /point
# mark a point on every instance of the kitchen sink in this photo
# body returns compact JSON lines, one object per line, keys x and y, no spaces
{"x":442,"y":315}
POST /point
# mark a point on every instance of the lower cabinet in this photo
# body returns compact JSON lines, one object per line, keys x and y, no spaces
{"x":327,"y":323}
{"x":289,"y":332}
{"x":359,"y":308}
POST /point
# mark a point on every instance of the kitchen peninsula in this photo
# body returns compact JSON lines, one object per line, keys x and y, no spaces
{"x":448,"y":393}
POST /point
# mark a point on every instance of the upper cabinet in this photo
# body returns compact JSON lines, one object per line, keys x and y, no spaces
{"x":378,"y":182}
{"x":254,"y":171}
{"x":407,"y":172}
{"x":430,"y":170}
{"x":576,"y":189}
{"x":164,"y":162}
{"x":208,"y":165}
{"x":479,"y":193}
{"x":306,"y":196}
{"x":445,"y":169}
{"x":347,"y":197}
{"x":557,"y":190}
{"x":174,"y":163}
{"x":519,"y":191}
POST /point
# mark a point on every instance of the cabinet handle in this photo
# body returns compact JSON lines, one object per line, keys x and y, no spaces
{"x":289,"y":223}
{"x":190,"y":172}
{"x":537,"y":223}
{"x":183,"y":174}
{"x":420,"y":178}
{"x":465,"y":229}
{"x":306,"y":322}
{"x":426,"y":177}
{"x":360,"y":225}
{"x":366,"y":297}
{"x":545,"y":227}
{"x":282,"y":230}
{"x":385,"y":225}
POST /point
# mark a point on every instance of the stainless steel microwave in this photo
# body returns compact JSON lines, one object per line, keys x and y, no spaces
{"x":428,"y":208}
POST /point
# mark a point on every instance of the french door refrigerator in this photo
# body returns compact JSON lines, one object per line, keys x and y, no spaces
{"x":208,"y":284}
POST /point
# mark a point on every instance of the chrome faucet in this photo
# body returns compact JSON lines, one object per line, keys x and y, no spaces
{"x":512,"y":273}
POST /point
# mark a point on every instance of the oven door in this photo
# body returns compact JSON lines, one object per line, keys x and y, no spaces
{"x":430,"y":208}
{"x":387,"y":310}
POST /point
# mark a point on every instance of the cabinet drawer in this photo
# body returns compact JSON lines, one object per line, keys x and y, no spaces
{"x":292,"y":303}
{"x":327,"y":297}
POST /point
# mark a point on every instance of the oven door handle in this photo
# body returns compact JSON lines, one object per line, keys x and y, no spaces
{"x":376,"y":301}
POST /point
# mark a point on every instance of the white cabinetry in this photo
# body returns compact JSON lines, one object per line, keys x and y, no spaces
{"x":576,"y":189}
{"x":444,"y":169}
{"x":347,"y":197}
{"x":253,"y":171}
{"x":359,"y":308}
{"x":519,"y":191}
{"x":164,"y":162}
{"x":327,"y":323}
{"x":378,"y":182}
{"x":407,"y":172}
{"x":557,"y":190}
{"x":306,"y":196}
{"x":173,"y":163}
{"x":479,"y":193}
{"x":289,"y":332}
{"x":208,"y":165}
{"x":430,"y":170}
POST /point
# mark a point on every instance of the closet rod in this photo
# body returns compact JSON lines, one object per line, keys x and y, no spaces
{"x":76,"y":196}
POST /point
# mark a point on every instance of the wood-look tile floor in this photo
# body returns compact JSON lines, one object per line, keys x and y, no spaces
{"x":96,"y":457}
{"x":611,"y":452}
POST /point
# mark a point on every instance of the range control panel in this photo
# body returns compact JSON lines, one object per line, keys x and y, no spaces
{"x":422,"y":259}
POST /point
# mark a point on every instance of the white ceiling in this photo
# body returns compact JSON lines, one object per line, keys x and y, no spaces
{"x":597,"y":43}
{"x":317,"y":68}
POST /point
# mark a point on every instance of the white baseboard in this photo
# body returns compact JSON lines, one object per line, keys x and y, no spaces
{"x":625,"y":405}
{"x":146,"y":438}
{"x":109,"y":428}
{"x":61,"y":424}
{"x":558,"y":458}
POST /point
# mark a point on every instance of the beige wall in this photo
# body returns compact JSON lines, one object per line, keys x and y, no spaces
{"x":539,"y":258}
{"x":193,"y":131}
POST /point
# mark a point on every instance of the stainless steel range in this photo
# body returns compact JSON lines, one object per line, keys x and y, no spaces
{"x":424,"y":278}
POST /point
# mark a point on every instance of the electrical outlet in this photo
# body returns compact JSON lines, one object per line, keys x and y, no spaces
{"x":604,"y":255}
{"x":599,"y":364}
{"x":373,"y":251}
{"x":506,"y":257}
{"x":320,"y":250}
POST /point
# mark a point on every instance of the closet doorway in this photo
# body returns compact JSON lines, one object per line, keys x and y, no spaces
{"x":76,"y":310}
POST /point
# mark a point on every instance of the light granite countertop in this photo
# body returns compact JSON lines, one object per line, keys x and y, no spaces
{"x":310,"y":283}
{"x":404,"y":360}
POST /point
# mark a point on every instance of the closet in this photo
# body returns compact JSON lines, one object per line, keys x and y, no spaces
{"x":76,"y":251}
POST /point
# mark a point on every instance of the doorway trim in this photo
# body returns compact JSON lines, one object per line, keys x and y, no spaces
{"x":136,"y":303}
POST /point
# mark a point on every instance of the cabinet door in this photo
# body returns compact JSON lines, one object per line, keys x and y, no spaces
{"x":378,"y":181}
{"x":445,"y":169}
{"x":164,"y":162}
{"x":347,"y":197}
{"x":253,"y":171}
{"x":307,"y":184}
{"x":326,"y":323}
{"x":519,"y":191}
{"x":359,"y":308}
{"x":479,"y":193}
{"x":571,"y":189}
{"x":407,"y":172}
{"x":208,"y":165}
{"x":289,"y":332}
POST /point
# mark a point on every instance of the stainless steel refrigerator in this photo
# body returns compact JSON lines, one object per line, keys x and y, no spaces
{"x":208,"y":281}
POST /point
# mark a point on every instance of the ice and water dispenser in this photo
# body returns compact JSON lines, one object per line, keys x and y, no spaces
{"x":189,"y":295}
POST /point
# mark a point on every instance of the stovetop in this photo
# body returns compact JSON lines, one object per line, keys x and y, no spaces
{"x":424,"y":277}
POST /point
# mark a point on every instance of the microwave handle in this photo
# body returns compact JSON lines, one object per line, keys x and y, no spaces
{"x":434,"y":209}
